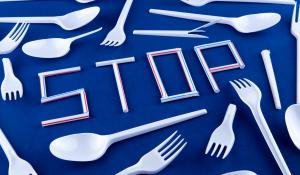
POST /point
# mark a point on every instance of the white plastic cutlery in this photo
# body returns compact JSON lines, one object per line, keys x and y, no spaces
{"x":11,"y":85}
{"x":251,"y":95}
{"x":84,"y":1}
{"x":52,"y":47}
{"x":198,"y":3}
{"x":13,"y":38}
{"x":17,"y":166}
{"x":271,"y":77}
{"x":292,"y":114}
{"x":170,"y":33}
{"x":70,"y":21}
{"x":117,"y":36}
{"x":223,"y":136}
{"x":89,"y":146}
{"x":244,"y":24}
{"x":241,"y":172}
{"x":158,"y":158}
{"x":194,"y":33}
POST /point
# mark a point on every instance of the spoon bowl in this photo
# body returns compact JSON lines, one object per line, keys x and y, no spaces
{"x":255,"y":22}
{"x":84,"y":1}
{"x":55,"y":47}
{"x":80,"y":147}
{"x":292,"y":121}
{"x":52,"y":47}
{"x":77,"y":19}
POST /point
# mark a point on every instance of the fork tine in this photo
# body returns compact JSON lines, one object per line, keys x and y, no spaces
{"x":112,"y":43}
{"x":165,"y":141}
{"x":173,"y":149}
{"x":296,"y":10}
{"x":13,"y":30}
{"x":22,"y":33}
{"x":215,"y":149}
{"x":171,"y":158}
{"x":238,"y":83}
{"x":244,"y":83}
{"x":15,"y":95}
{"x":104,"y":41}
{"x":21,"y":92}
{"x":3,"y":94}
{"x":209,"y":145}
{"x":118,"y":43}
{"x":236,"y":88}
{"x":20,"y":28}
{"x":108,"y":43}
{"x":227,"y":151}
{"x":9,"y":95}
{"x":250,"y":82}
{"x":220,"y":151}
{"x":170,"y":144}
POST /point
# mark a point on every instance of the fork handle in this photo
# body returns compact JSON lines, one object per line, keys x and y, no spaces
{"x":132,"y":170}
{"x":8,"y":70}
{"x":124,"y":13}
{"x":265,"y":130}
{"x":298,"y":71}
{"x":6,"y":146}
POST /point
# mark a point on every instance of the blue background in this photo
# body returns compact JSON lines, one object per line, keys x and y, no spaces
{"x":21,"y":119}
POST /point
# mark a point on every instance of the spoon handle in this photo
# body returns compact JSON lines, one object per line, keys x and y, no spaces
{"x":44,"y":20}
{"x":287,"y":2}
{"x":155,"y":126}
{"x":85,"y":34}
{"x":191,"y":16}
{"x":6,"y":146}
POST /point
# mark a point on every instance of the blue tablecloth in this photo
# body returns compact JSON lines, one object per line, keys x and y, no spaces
{"x":21,"y":119}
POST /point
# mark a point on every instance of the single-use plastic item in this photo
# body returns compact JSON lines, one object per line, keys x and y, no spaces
{"x":241,"y":172}
{"x":244,"y":24}
{"x":79,"y":92}
{"x":17,"y":166}
{"x":198,"y":3}
{"x":164,"y":95}
{"x":158,"y":158}
{"x":117,"y":36}
{"x":194,"y":33}
{"x":223,"y":136}
{"x":251,"y":95}
{"x":70,"y":21}
{"x":84,"y":1}
{"x":292,"y":114}
{"x":11,"y":85}
{"x":271,"y":77}
{"x":115,"y":65}
{"x":52,"y":47}
{"x":12,"y":40}
{"x":89,"y":146}
{"x":209,"y":71}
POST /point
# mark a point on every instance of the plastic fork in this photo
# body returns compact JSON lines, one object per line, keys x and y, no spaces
{"x":13,"y":38}
{"x":117,"y":36}
{"x":17,"y":166}
{"x":251,"y":95}
{"x":158,"y":158}
{"x":11,"y":85}
{"x":223,"y":136}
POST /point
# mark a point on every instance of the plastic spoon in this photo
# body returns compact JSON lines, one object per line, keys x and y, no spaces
{"x":89,"y":147}
{"x":241,"y":172}
{"x":52,"y":47}
{"x":84,"y":1}
{"x":244,"y":24}
{"x":198,"y":3}
{"x":292,"y":114}
{"x":70,"y":21}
